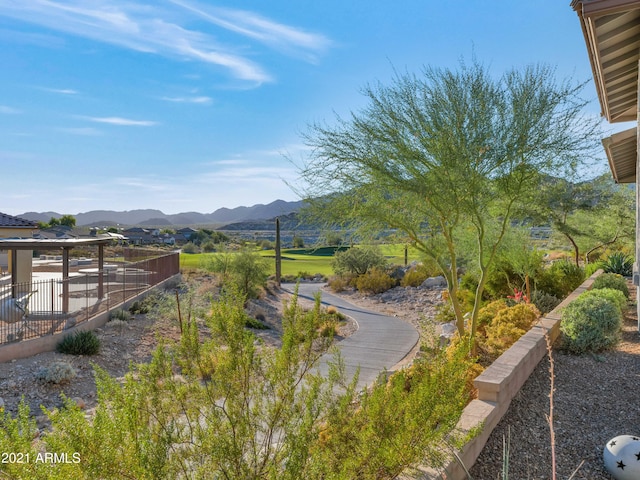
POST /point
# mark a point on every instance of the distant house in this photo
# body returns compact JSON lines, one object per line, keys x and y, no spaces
{"x":184,"y":235}
{"x":142,"y":236}
{"x":15,"y":227}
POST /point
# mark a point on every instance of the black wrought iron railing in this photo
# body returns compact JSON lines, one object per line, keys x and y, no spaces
{"x":52,"y":304}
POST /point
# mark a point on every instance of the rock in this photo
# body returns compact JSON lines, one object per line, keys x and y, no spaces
{"x":433,"y":282}
{"x":79,"y":402}
{"x":1,"y":402}
{"x":447,"y":332}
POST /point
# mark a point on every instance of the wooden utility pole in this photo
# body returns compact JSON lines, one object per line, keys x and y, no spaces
{"x":278,"y":256}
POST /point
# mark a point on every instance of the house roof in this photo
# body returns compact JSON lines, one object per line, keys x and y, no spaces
{"x":611,"y":30}
{"x":11,"y":221}
{"x":621,"y":149}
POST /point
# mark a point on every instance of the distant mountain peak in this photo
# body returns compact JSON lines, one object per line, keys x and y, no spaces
{"x":156,"y":217}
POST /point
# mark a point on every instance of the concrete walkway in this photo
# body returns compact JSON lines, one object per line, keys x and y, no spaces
{"x":379,"y":343}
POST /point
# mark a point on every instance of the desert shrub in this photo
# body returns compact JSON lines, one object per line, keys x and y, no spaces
{"x":375,"y":281}
{"x":80,"y":343}
{"x":358,"y":260}
{"x":190,"y":248}
{"x":414,"y":277}
{"x":613,"y":295}
{"x":120,"y":314}
{"x":618,"y":263}
{"x":139,"y":307}
{"x":209,"y":247}
{"x":339,"y":283}
{"x":256,"y":323}
{"x":328,"y":328}
{"x":488,"y":313}
{"x":545,"y":302}
{"x":57,"y":372}
{"x":507,"y":327}
{"x":590,"y":324}
{"x":560,"y":279}
{"x":245,"y":271}
{"x":590,"y":268}
{"x":500,"y":281}
{"x":611,"y":280}
{"x":298,"y":242}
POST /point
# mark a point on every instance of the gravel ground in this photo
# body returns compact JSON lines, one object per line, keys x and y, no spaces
{"x":596,"y":399}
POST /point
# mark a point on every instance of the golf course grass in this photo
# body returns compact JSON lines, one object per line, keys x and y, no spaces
{"x":301,"y":260}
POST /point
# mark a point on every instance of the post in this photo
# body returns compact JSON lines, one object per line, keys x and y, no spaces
{"x":65,"y":280}
{"x":101,"y":271}
{"x":406,"y":255}
{"x":278,"y":256}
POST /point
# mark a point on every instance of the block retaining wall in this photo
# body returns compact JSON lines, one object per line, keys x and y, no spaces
{"x":497,"y":386}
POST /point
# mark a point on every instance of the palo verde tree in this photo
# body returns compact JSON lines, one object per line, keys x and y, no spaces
{"x":591,"y":215}
{"x":446,"y":155}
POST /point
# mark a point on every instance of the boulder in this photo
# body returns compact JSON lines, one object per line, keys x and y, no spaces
{"x":435,"y":282}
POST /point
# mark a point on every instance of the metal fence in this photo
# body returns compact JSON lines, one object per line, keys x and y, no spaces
{"x":48,"y":306}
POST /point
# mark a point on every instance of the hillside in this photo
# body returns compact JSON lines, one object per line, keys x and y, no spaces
{"x":223,"y":215}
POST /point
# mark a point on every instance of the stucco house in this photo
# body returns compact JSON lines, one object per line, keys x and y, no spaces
{"x":16,"y":227}
{"x":611,"y":31}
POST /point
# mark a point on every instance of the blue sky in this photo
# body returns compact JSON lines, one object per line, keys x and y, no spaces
{"x":193,"y":105}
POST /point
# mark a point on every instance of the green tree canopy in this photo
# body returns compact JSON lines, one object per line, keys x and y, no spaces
{"x":445,"y":155}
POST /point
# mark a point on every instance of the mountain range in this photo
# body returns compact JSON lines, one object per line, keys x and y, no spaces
{"x":153,"y":217}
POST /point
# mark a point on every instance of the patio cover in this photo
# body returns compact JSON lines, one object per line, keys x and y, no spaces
{"x":66,"y":244}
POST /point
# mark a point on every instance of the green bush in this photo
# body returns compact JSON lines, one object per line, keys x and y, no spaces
{"x":358,"y":260}
{"x":545,"y":302}
{"x":338,"y":283}
{"x":138,"y":307}
{"x":190,"y":248}
{"x":80,"y":343}
{"x":375,"y":281}
{"x":590,"y":268}
{"x":618,"y":263}
{"x":256,"y":323}
{"x":415,"y":276}
{"x":246,"y":271}
{"x":611,"y":294}
{"x":121,"y":314}
{"x":590,"y":323}
{"x":560,"y":279}
{"x":57,"y":372}
{"x":611,"y":280}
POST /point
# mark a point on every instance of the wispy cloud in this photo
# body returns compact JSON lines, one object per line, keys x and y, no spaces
{"x":9,"y":110}
{"x":154,"y":28}
{"x":62,"y":91}
{"x":249,"y":24}
{"x":127,"y":122}
{"x":200,"y":100}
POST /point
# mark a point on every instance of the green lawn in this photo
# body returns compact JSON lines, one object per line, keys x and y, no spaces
{"x":294,"y":262}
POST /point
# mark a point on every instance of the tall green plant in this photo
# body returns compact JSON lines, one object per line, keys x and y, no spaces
{"x":447,"y":154}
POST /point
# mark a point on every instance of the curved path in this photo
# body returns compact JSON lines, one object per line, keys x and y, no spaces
{"x":379,"y":343}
